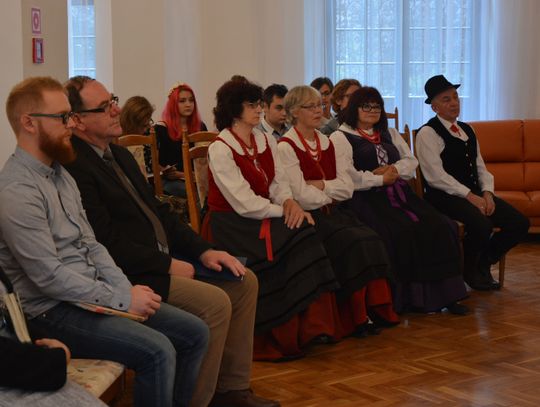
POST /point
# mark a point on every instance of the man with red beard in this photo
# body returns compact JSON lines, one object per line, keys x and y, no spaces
{"x":49,"y":252}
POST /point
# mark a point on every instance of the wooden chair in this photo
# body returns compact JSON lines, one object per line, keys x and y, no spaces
{"x":419,"y":190}
{"x":394,"y":116}
{"x":196,"y":173}
{"x":131,"y":140}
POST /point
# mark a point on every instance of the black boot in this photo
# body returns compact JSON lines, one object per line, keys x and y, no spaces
{"x":474,"y":276}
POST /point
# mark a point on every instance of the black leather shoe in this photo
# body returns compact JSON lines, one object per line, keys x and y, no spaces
{"x":457,"y":309}
{"x":495,"y":285}
{"x":486,"y":274}
{"x":241,"y":398}
{"x":478,"y":282}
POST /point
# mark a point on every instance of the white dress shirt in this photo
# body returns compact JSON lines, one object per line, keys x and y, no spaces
{"x":308,"y":196}
{"x":364,"y":180}
{"x":429,"y":146}
{"x":234,"y":186}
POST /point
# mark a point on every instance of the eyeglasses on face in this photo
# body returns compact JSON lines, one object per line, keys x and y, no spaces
{"x":103,"y":109}
{"x":313,"y":106}
{"x":254,"y":105}
{"x":367,"y":107}
{"x":64,"y":116}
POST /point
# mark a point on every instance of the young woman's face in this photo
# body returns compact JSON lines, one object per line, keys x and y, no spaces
{"x":186,"y":103}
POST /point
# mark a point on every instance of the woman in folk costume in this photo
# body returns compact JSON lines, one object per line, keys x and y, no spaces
{"x":422,"y":243}
{"x":357,"y":254}
{"x":180,"y":116}
{"x":251,"y":213}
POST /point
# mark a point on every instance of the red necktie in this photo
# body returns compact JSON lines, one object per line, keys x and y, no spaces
{"x":454,"y":128}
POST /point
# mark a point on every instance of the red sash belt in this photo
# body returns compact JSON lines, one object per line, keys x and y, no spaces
{"x":266,"y":234}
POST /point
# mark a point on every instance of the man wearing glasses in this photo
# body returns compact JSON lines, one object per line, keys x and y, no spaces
{"x":50,"y":253}
{"x":153,"y":246}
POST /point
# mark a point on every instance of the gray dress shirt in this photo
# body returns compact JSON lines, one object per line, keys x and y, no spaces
{"x":47,"y":247}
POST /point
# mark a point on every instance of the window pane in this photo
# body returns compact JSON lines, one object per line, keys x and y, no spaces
{"x":350,"y":14}
{"x":350,"y":46}
{"x":82,"y":43}
{"x":437,"y":36}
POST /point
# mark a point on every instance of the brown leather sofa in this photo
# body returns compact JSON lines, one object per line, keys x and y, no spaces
{"x":511,"y":151}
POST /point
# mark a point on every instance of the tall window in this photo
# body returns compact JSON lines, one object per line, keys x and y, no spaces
{"x":396,"y":45}
{"x":82,"y":38}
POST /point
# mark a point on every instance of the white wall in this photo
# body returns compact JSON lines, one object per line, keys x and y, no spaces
{"x":54,"y":32}
{"x":12,"y":67}
{"x":204,"y":43}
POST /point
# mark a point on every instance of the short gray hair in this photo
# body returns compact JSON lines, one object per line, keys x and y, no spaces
{"x":298,"y":96}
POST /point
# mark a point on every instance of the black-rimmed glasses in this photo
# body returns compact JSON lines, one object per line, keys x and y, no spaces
{"x":103,"y":109}
{"x":64,"y":116}
{"x":254,"y":105}
{"x":367,"y":107}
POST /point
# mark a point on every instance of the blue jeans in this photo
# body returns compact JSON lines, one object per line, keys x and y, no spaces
{"x":165,"y":352}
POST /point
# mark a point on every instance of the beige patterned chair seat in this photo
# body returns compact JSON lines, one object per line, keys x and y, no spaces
{"x":96,"y":376}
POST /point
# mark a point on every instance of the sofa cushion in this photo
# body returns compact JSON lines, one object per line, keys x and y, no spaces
{"x":508,"y":176}
{"x":500,"y":140}
{"x":531,"y":174}
{"x":532,"y":140}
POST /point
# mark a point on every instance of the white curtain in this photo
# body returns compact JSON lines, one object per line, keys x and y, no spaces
{"x":509,"y":59}
{"x":491,"y":47}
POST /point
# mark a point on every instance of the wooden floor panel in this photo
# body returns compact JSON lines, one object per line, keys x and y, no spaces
{"x":488,"y":358}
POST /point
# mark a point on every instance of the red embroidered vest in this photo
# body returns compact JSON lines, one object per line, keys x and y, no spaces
{"x":258,"y":182}
{"x":312,"y":170}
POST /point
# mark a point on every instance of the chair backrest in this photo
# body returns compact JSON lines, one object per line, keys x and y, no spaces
{"x":131,"y":140}
{"x":196,"y":172}
{"x":419,"y":178}
{"x":394,"y":116}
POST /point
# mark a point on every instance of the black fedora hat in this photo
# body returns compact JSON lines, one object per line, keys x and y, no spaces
{"x":437,"y":84}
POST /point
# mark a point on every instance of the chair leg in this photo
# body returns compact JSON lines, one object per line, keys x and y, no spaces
{"x":502,"y":266}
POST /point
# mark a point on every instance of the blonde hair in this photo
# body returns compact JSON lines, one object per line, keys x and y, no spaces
{"x":27,"y":96}
{"x":135,"y":115}
{"x":298,"y":96}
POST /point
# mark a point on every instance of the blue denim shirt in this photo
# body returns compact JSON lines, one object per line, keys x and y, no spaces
{"x":47,"y":247}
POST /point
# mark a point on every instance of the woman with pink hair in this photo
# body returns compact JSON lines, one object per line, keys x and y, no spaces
{"x":180,"y":116}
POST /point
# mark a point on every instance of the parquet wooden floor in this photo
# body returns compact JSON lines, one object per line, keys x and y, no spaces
{"x":490,"y":357}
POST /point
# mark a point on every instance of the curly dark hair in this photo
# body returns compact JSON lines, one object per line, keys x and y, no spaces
{"x":229,"y":99}
{"x":366,"y":94}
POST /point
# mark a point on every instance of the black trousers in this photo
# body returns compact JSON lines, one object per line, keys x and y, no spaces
{"x":480,"y":243}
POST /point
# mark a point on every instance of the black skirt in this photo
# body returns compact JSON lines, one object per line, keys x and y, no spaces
{"x":357,"y":253}
{"x":422,"y":251}
{"x":299,"y":273}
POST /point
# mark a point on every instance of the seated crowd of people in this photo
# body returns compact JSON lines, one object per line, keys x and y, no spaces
{"x":311,"y":232}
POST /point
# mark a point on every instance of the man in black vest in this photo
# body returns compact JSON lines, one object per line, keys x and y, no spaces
{"x":459,"y":185}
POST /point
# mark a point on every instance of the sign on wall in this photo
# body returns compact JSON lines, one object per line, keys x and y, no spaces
{"x":36,"y":20}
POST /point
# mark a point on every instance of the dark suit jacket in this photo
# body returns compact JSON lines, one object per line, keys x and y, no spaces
{"x":119,"y":223}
